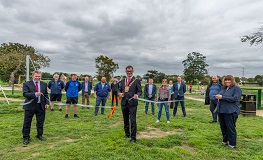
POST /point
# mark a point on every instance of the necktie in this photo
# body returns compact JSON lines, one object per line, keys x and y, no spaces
{"x":128,"y":81}
{"x":37,"y":86}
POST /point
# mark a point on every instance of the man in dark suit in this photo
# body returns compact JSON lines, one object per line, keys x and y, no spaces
{"x":149,"y":94}
{"x":86,"y":87}
{"x":36,"y":102}
{"x":130,"y":89}
{"x":179,"y":89}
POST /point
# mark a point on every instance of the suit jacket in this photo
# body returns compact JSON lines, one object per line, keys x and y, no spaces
{"x":179,"y":91}
{"x":29,"y":90}
{"x":83,"y":87}
{"x":146,"y":89}
{"x":135,"y":88}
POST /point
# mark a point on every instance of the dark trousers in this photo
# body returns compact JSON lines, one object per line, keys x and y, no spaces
{"x":213,"y":104}
{"x":180,"y":98}
{"x":40,"y":117}
{"x":172,"y":103}
{"x":114,"y":95}
{"x":129,"y":117}
{"x":228,"y":127}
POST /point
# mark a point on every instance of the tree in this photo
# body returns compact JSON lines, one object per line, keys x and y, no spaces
{"x":155,"y":75}
{"x":105,"y":67}
{"x":13,"y":60}
{"x":237,"y":79}
{"x":255,"y":38}
{"x":259,"y":79}
{"x":194,"y":67}
{"x":251,"y":80}
{"x":46,"y":75}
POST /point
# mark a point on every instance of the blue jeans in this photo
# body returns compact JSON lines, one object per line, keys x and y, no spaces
{"x":147,"y":104}
{"x":160,"y":107}
{"x":98,"y":100}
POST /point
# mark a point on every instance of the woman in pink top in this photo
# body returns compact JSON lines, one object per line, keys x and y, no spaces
{"x":163,"y":96}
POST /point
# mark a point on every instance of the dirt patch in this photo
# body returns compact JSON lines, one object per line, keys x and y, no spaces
{"x":35,"y":154}
{"x":259,"y":113}
{"x":188,"y":148}
{"x":70,"y":140}
{"x":23,"y":148}
{"x":12,"y":99}
{"x":197,"y":99}
{"x":155,"y":133}
{"x":116,"y":124}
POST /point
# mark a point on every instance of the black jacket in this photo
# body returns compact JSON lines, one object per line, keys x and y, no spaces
{"x":135,"y":88}
{"x":29,"y":90}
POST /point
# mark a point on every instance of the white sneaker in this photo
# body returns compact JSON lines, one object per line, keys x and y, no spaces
{"x":157,"y":121}
{"x":168,"y":121}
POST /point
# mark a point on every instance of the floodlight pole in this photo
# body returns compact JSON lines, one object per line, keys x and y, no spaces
{"x":27,"y":67}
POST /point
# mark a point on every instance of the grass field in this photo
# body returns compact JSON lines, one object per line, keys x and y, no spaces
{"x":90,"y":137}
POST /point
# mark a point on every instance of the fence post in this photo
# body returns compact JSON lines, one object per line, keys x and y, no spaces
{"x":259,"y":98}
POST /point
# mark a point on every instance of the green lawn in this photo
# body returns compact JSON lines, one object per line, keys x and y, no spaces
{"x":99,"y":137}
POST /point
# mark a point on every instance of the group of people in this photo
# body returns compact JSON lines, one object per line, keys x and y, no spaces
{"x":224,"y":101}
{"x":167,"y":96}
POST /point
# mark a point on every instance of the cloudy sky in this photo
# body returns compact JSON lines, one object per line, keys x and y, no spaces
{"x":148,"y":34}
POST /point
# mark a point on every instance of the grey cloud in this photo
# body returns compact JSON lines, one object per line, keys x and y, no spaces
{"x":146,"y":34}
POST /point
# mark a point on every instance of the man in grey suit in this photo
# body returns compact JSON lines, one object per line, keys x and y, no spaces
{"x":179,"y":89}
{"x":35,"y":92}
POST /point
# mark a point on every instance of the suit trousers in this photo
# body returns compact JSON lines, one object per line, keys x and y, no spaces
{"x":228,"y":127}
{"x":181,"y":100}
{"x":129,"y":117}
{"x":85,"y":96}
{"x":28,"y":116}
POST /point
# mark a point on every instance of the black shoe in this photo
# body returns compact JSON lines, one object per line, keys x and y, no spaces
{"x":52,"y":109}
{"x":40,"y":138}
{"x":60,"y":109}
{"x":213,"y":122}
{"x":153,"y":113}
{"x":145,"y":112}
{"x":102,"y":113}
{"x":126,"y":136}
{"x":66,"y":116}
{"x":132,"y":141}
{"x":95,"y":114}
{"x":26,"y":141}
{"x":76,"y":116}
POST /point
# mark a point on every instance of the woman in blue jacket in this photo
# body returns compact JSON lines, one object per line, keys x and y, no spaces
{"x":228,"y":110}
